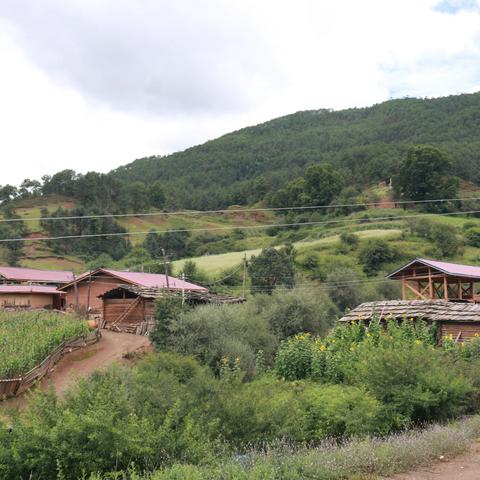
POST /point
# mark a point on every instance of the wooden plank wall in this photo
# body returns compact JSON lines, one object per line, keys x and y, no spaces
{"x":467,"y":330}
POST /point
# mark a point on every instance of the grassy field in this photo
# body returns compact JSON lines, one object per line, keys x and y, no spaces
{"x":214,"y":264}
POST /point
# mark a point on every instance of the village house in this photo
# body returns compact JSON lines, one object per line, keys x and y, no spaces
{"x":31,"y":296}
{"x":86,"y":290}
{"x":442,"y":292}
{"x":33,"y":276}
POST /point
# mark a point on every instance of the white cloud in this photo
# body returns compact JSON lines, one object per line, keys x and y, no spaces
{"x":94,"y":84}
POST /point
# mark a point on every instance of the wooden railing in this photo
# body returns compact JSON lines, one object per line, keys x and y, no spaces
{"x":10,"y":387}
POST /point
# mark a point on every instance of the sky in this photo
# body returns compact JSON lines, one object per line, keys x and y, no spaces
{"x":95,"y":84}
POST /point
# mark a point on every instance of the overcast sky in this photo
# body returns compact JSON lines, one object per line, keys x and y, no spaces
{"x":94,"y":84}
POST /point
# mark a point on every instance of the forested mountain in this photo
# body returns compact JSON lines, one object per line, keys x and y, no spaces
{"x":315,"y":157}
{"x":366,"y":144}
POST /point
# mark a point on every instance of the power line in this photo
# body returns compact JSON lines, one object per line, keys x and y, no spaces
{"x":239,"y":210}
{"x":232,"y":227}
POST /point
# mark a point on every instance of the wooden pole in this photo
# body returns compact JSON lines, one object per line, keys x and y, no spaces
{"x":460,"y":285}
{"x":445,"y":288}
{"x":430,"y":284}
{"x":165,"y":266}
{"x":75,"y":287}
{"x":183,"y":289}
{"x":404,"y":288}
{"x":88,"y":294}
{"x":244,"y":275}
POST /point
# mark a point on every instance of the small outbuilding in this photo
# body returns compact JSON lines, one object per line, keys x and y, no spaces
{"x":31,"y":296}
{"x":424,"y":279}
{"x":461,"y":320}
{"x":130,"y":308}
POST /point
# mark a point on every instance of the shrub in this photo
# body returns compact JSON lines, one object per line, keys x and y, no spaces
{"x":211,"y":333}
{"x":473,"y":236}
{"x":349,"y":239}
{"x":269,"y":409}
{"x":445,"y":239}
{"x":375,"y":253}
{"x":167,"y":309}
{"x":296,"y":311}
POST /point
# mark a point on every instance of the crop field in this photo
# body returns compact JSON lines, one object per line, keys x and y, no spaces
{"x":26,"y":338}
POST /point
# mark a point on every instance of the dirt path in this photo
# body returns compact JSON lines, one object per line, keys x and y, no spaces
{"x":111,"y":348}
{"x":463,"y":467}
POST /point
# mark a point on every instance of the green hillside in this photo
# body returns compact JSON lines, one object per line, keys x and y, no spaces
{"x":314,"y":157}
{"x":365,"y":143}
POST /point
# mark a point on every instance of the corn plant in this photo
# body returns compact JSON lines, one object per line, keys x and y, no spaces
{"x":27,"y":338}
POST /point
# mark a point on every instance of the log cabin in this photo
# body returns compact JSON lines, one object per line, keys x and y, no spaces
{"x":130,"y":308}
{"x":461,"y":320}
{"x":86,"y":290}
{"x":31,"y":296}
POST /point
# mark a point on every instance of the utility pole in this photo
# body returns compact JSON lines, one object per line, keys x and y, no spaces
{"x":165,"y":266}
{"x":244,"y":275}
{"x":183,"y":289}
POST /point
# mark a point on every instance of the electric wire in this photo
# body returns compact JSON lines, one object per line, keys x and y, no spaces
{"x":240,"y":210}
{"x":233,"y":227}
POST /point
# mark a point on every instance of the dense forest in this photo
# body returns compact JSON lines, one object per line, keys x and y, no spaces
{"x":361,"y":145}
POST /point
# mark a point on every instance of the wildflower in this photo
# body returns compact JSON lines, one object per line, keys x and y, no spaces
{"x":418,"y":342}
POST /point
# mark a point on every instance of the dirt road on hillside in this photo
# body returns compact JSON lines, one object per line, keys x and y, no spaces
{"x":111,"y":348}
{"x":463,"y":467}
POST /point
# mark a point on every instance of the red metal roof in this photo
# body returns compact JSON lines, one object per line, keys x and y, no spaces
{"x":152,"y":280}
{"x":30,"y":289}
{"x":455,"y":269}
{"x":33,"y":275}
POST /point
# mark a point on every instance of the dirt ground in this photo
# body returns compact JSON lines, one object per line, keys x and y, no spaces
{"x":111,"y":348}
{"x":463,"y":467}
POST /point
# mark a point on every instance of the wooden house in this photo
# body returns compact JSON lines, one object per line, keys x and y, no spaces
{"x":131,"y":309}
{"x":31,"y":296}
{"x":33,"y":276}
{"x":86,"y":290}
{"x":459,"y":319}
{"x":424,"y":279}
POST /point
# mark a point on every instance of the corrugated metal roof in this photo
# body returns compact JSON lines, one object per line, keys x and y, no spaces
{"x":30,"y":289}
{"x":33,"y":275}
{"x":429,"y":310}
{"x":454,"y":269}
{"x":149,"y":280}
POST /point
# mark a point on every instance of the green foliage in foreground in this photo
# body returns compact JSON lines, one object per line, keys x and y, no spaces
{"x":399,"y":365}
{"x":365,"y":458}
{"x":212,"y":333}
{"x":26,"y":338}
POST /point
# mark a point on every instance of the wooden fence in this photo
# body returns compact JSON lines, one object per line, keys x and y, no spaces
{"x":14,"y":386}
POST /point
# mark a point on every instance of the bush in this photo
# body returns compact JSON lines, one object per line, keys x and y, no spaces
{"x":211,"y":333}
{"x":375,"y":253}
{"x":473,"y":236}
{"x":349,"y":239}
{"x":269,"y":409}
{"x":445,"y":239}
{"x":167,"y":309}
{"x":329,"y":263}
{"x":295,"y":311}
